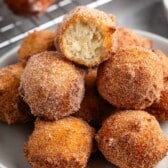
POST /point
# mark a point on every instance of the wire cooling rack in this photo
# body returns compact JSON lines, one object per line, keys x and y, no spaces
{"x":14,"y":28}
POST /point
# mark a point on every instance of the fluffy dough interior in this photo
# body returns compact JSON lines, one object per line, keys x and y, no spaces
{"x":84,"y":40}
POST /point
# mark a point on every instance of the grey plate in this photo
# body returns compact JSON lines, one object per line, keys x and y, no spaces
{"x":12,"y":138}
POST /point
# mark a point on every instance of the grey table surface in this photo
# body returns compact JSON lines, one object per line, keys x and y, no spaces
{"x":147,"y":15}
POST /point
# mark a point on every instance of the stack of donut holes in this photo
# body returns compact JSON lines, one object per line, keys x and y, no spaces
{"x":88,"y":80}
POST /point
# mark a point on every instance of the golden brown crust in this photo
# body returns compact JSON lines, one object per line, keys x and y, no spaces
{"x":131,"y":79}
{"x":52,"y":86}
{"x":103,"y":22}
{"x":128,"y":38}
{"x":132,"y":139}
{"x":64,"y":143}
{"x":160,"y":108}
{"x":29,"y":7}
{"x":164,"y":62}
{"x":12,"y":108}
{"x":35,"y":43}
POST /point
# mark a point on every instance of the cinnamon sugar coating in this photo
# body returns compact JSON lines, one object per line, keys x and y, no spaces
{"x":36,"y":42}
{"x":128,"y":38}
{"x":164,"y":62}
{"x":131,"y":79}
{"x":132,"y":139}
{"x":52,"y":86}
{"x":67,"y":142}
{"x":160,"y":108}
{"x":12,"y":107}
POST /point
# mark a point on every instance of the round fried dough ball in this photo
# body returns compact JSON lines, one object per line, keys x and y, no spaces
{"x":12,"y":108}
{"x":131,"y":79}
{"x":36,"y":42}
{"x":29,"y":7}
{"x":164,"y":62}
{"x":160,"y":108}
{"x":127,"y":38}
{"x":86,"y":36}
{"x":66,"y":143}
{"x":132,"y":139}
{"x":52,"y":86}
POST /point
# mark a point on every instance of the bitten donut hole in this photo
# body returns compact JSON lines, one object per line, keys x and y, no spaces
{"x":84,"y":40}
